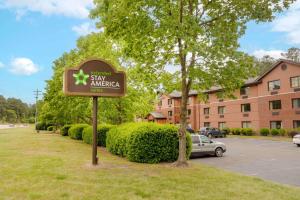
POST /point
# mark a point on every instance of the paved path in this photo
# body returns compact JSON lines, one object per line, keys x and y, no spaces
{"x":272,"y":160}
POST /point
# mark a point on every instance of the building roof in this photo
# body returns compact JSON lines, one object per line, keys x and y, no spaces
{"x":157,"y":115}
{"x":275,"y":65}
{"x":177,"y":94}
{"x":251,"y":81}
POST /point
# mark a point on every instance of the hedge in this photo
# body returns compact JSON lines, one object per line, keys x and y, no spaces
{"x":51,"y":128}
{"x":87,"y":134}
{"x":264,"y":131}
{"x":64,"y":130}
{"x":236,"y":131}
{"x":146,"y":142}
{"x":247,"y":131}
{"x":274,"y":132}
{"x":75,"y":132}
{"x":42,"y":126}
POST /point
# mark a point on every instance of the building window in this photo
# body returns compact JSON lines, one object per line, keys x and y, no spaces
{"x":222,"y":125}
{"x":296,"y":103}
{"x":169,"y":102}
{"x":296,"y":123}
{"x":246,"y":124}
{"x":189,"y":100}
{"x":274,"y":85}
{"x":275,"y":105}
{"x":189,"y":112}
{"x":295,"y":82}
{"x":246,"y":107}
{"x":244,"y":91}
{"x":275,"y":124}
{"x":206,"y":111}
{"x":221,"y":110}
{"x":170,"y":113}
{"x":206,"y":124}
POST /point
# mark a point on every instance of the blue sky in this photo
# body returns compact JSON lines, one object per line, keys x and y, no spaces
{"x":33,"y":33}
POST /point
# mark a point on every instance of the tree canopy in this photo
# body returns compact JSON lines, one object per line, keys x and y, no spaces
{"x":60,"y":109}
{"x":199,"y":36}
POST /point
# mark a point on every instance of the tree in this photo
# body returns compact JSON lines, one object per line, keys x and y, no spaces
{"x":264,"y":63}
{"x":292,"y":54}
{"x":60,"y":109}
{"x":200,"y":36}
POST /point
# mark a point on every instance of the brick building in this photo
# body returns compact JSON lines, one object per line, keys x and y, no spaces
{"x":271,"y":100}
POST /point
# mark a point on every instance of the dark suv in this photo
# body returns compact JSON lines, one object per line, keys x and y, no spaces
{"x":212,"y":132}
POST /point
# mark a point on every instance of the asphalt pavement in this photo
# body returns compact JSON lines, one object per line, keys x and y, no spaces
{"x":278,"y":161}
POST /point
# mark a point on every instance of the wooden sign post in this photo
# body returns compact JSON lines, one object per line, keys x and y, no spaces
{"x":94,"y":78}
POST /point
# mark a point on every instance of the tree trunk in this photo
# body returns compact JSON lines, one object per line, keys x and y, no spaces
{"x":182,"y":160}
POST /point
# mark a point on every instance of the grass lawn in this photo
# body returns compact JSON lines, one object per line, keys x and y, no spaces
{"x":49,"y":166}
{"x":275,"y":138}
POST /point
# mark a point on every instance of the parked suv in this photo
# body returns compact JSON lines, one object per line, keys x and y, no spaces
{"x":202,"y":145}
{"x":212,"y":132}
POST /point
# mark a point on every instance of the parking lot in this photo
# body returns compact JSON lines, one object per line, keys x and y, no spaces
{"x":277,"y":161}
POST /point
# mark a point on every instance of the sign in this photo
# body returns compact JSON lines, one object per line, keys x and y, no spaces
{"x":94,"y":77}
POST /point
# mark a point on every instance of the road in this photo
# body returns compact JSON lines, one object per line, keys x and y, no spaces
{"x":277,"y":161}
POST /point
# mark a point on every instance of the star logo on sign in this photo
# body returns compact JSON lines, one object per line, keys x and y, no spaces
{"x":80,"y":78}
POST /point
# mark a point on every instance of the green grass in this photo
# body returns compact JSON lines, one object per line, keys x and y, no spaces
{"x":49,"y":166}
{"x":274,"y":138}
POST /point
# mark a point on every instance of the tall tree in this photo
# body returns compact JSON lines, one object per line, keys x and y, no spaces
{"x":200,"y":36}
{"x":264,"y":63}
{"x":293,"y":54}
{"x":60,"y":109}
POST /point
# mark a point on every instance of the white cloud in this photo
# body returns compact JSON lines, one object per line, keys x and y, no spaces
{"x":289,"y":23}
{"x":23,"y":66}
{"x":69,"y":8}
{"x":1,"y":65}
{"x":85,"y":29}
{"x":273,"y":53}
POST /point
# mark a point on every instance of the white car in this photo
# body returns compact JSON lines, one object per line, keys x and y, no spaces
{"x":296,"y":140}
{"x":202,"y":145}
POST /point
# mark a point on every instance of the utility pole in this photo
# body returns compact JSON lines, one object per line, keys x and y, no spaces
{"x":36,"y":93}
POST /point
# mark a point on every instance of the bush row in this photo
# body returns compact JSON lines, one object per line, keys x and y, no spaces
{"x":279,"y":132}
{"x":241,"y":131}
{"x":146,"y":142}
{"x":87,"y":134}
{"x":42,"y":126}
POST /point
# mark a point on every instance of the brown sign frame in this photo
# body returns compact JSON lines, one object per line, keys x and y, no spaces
{"x":66,"y":86}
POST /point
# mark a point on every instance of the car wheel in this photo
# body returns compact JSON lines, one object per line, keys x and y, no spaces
{"x":298,"y":145}
{"x":219,"y":152}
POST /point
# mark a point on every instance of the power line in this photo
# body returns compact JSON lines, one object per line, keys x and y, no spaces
{"x":36,"y":93}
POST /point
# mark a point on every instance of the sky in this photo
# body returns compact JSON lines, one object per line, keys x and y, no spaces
{"x":34,"y":33}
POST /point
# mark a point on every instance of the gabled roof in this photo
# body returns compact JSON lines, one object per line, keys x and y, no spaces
{"x":157,"y":115}
{"x":274,"y":66}
{"x":251,"y":81}
{"x":177,"y":94}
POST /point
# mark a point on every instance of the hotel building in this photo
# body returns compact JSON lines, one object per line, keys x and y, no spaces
{"x":271,"y":100}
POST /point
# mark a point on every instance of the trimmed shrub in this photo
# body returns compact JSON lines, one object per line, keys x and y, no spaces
{"x":274,"y":132}
{"x":64,"y":130}
{"x":247,"y":131}
{"x":282,"y":132}
{"x":236,"y":131}
{"x":75,"y":132}
{"x":146,"y":142}
{"x":51,"y":128}
{"x":226,"y":130}
{"x":87,"y":134}
{"x":264,"y":131}
{"x":41,"y":126}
